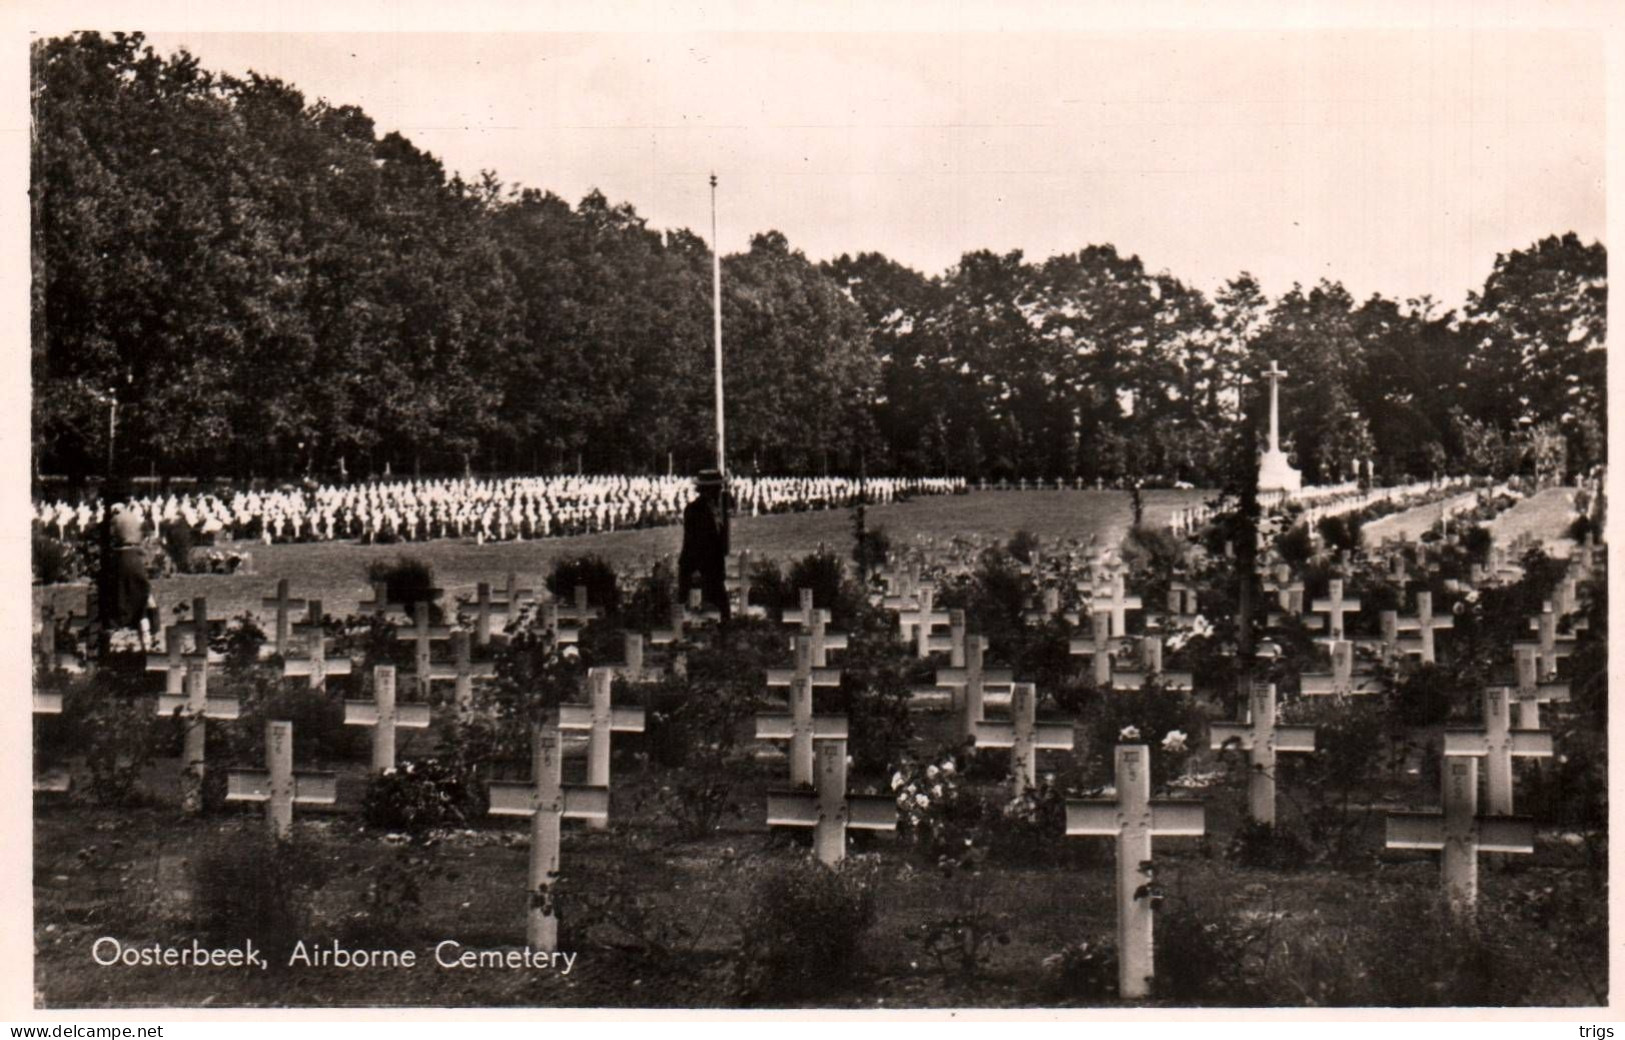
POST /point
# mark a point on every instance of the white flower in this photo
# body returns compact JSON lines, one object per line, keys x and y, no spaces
{"x":948,"y":767}
{"x":1174,"y":741}
{"x":1129,"y":733}
{"x":936,"y":792}
{"x":569,"y":653}
{"x":896,"y":781}
{"x":921,"y":800}
{"x":931,"y":772}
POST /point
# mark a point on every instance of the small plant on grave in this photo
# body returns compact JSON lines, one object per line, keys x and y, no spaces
{"x":422,"y":795}
{"x":1022,"y":546}
{"x":239,"y":642}
{"x":391,"y":897}
{"x":534,"y":675}
{"x":928,"y":793}
{"x":871,"y":545}
{"x":1414,"y":952}
{"x":1162,"y":719}
{"x":1202,"y":956}
{"x":693,"y":731}
{"x":179,"y":540}
{"x":370,"y":640}
{"x":108,"y":720}
{"x":603,"y":587}
{"x":963,"y":940}
{"x":54,"y":561}
{"x":877,"y":679}
{"x":824,"y":573}
{"x":1084,"y":971}
{"x":649,"y":604}
{"x":614,"y":907}
{"x":1268,"y":846}
{"x":409,"y":581}
{"x":252,"y":886}
{"x":317,"y":716}
{"x":802,"y":929}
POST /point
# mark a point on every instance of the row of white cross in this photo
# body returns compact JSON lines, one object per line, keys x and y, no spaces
{"x":818,"y":744}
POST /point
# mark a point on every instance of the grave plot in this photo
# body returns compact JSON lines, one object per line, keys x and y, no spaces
{"x":1543,"y":518}
{"x":982,"y":795}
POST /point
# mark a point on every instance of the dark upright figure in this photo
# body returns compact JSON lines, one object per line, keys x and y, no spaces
{"x":703,"y":563}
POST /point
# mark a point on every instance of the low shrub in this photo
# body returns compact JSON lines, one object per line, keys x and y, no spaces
{"x":1272,"y":847}
{"x":1023,"y":545}
{"x":1085,"y":971}
{"x":54,"y":560}
{"x":421,"y":795}
{"x":603,"y":589}
{"x":252,"y":886}
{"x":409,"y":581}
{"x":802,"y":930}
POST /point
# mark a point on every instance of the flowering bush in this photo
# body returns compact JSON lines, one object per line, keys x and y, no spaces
{"x":1161,"y":719}
{"x":421,"y":795}
{"x":926,"y":792}
{"x":219,"y":561}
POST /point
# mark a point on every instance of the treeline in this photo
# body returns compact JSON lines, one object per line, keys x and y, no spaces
{"x":269,"y":288}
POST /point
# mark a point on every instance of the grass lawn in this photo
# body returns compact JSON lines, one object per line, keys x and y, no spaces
{"x":1545,"y":516}
{"x":336,"y":572}
{"x":101,"y":872}
{"x":1333,"y":930}
{"x":1410,"y":524}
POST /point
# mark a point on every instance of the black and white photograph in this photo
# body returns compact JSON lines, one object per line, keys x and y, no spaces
{"x":1076,"y":515}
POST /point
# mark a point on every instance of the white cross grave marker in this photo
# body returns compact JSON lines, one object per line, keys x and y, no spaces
{"x":1460,"y":832}
{"x":801,"y":728}
{"x":1024,"y":735}
{"x":600,"y":719}
{"x":1262,"y":737}
{"x":277,"y":785}
{"x":1133,"y":818}
{"x":1497,"y":743}
{"x":548,"y":801}
{"x":385,"y":715}
{"x":829,"y":809}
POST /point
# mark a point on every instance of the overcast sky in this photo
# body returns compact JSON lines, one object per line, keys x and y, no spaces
{"x":1395,"y":162}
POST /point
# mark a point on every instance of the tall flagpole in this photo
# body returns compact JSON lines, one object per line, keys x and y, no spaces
{"x":716,"y":324}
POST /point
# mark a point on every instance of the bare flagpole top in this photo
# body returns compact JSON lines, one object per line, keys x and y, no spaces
{"x":713,"y":180}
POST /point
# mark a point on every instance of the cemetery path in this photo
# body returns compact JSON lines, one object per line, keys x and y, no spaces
{"x":1544,"y":516}
{"x":1411,"y":523}
{"x":336,"y":572}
